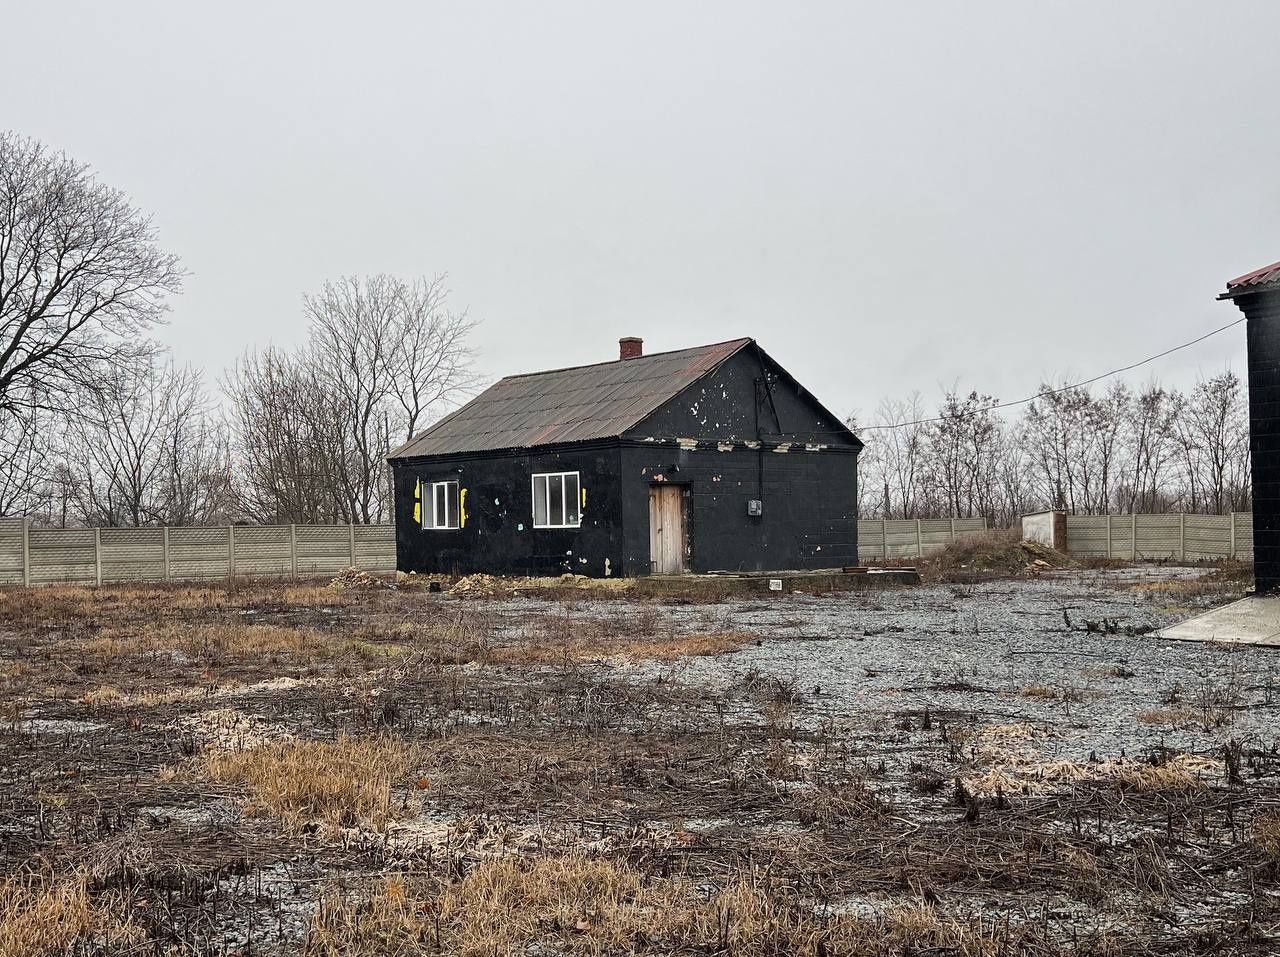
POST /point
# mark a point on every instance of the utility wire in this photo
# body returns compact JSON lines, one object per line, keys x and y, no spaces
{"x":1048,"y":392}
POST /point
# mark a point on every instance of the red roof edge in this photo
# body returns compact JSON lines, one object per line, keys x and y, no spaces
{"x":1251,"y":276}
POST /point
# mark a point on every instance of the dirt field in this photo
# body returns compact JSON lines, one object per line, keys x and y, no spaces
{"x":989,"y":768}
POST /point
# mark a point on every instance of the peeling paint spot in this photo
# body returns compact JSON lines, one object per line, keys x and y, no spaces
{"x":608,"y":568}
{"x":751,"y":443}
{"x":814,"y":447}
{"x":687,"y":443}
{"x":724,"y":446}
{"x":783,"y":447}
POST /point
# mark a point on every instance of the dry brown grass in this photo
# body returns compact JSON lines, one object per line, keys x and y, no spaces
{"x":1146,"y":778}
{"x":1042,"y":692}
{"x":1174,"y":717}
{"x":205,"y":643}
{"x":341,"y":783}
{"x":1266,"y":831}
{"x":591,"y":906}
{"x":53,"y":604}
{"x":42,"y":915}
{"x":595,"y":647}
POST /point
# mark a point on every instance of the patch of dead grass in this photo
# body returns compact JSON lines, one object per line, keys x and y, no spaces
{"x":580,"y":905}
{"x":1266,"y":831}
{"x":42,"y":915}
{"x":1042,"y":692}
{"x":341,"y":783}
{"x":1174,"y":775}
{"x":205,"y":643}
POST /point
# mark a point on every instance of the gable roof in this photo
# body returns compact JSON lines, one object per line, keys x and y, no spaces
{"x":577,"y":404}
{"x":1260,"y":280}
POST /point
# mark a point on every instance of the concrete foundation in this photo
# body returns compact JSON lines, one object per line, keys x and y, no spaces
{"x":813,"y":582}
{"x":1250,"y":621}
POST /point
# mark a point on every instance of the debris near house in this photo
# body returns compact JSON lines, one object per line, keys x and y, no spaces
{"x":353,"y":578}
{"x":480,"y":586}
{"x":994,"y":554}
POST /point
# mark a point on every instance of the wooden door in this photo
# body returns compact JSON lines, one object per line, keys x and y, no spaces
{"x":666,"y":530}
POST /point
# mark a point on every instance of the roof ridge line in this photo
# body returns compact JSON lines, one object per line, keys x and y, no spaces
{"x":609,"y":362}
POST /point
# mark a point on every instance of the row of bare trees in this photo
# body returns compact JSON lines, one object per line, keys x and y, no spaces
{"x":1114,"y":450}
{"x":311,"y":428}
{"x":99,"y":427}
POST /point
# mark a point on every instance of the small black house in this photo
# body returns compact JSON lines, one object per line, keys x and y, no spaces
{"x":1257,"y":294}
{"x":704,"y":459}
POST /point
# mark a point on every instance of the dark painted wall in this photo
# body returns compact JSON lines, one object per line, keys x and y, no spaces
{"x":810,"y":514}
{"x":747,"y":397}
{"x":1263,"y":336}
{"x":498,"y":536}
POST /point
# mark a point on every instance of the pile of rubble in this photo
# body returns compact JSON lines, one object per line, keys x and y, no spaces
{"x":354,"y":578}
{"x":480,"y":586}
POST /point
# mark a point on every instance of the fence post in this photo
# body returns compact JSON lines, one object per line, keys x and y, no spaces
{"x":1133,"y":544}
{"x":97,"y":555}
{"x":352,"y":530}
{"x":919,"y":541}
{"x":1232,"y":553}
{"x":1182,"y":536}
{"x":884,"y":538}
{"x":293,"y":549}
{"x":953,"y":528}
{"x":1109,"y":535}
{"x":166,"y":553}
{"x":26,"y":550}
{"x":231,"y":551}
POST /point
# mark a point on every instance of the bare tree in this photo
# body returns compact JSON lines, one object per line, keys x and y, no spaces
{"x":1150,"y":434}
{"x":962,"y":446}
{"x":900,"y":457}
{"x":389,"y":351}
{"x":289,"y":443}
{"x":142,"y":450}
{"x":1213,"y":437}
{"x":81,"y":276}
{"x":25,"y":449}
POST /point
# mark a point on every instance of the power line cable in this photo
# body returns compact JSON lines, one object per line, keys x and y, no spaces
{"x":1048,"y":392}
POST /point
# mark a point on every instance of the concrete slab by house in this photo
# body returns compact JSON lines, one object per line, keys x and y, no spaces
{"x":1254,"y":620}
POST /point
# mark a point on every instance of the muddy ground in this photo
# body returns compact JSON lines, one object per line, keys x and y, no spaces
{"x":1002,"y":767}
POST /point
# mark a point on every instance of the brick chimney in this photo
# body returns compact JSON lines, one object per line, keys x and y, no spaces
{"x":630,"y":347}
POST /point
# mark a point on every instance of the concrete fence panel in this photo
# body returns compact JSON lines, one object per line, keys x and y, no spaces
{"x":324,"y":548}
{"x":263,"y":550}
{"x":890,"y":539}
{"x":12,"y":550}
{"x":198,"y":553}
{"x":132,"y":554}
{"x":1171,"y":535}
{"x":62,"y":556}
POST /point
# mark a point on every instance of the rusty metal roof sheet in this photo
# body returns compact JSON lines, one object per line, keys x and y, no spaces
{"x":567,"y":405}
{"x":1260,"y":280}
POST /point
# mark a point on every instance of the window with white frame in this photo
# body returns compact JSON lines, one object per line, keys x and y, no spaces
{"x":557,"y":498}
{"x":440,"y":505}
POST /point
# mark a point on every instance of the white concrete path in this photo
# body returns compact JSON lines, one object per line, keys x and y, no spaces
{"x":1250,"y":621}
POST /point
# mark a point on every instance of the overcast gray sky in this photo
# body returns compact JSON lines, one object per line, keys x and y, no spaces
{"x":887,"y":196}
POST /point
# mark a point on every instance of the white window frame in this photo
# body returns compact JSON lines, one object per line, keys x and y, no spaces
{"x":533,"y":497}
{"x":429,"y":507}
